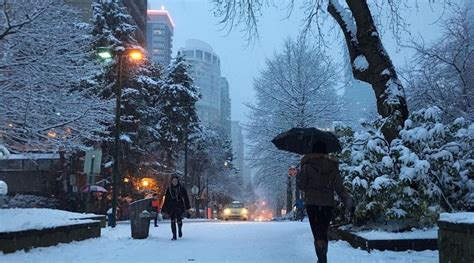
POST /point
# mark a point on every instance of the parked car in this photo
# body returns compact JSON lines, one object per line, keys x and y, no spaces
{"x":236,"y":210}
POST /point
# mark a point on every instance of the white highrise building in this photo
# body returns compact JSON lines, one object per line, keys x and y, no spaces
{"x":206,"y":71}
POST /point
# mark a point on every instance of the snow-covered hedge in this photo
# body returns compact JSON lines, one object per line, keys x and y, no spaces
{"x":31,"y":201}
{"x":428,"y":169}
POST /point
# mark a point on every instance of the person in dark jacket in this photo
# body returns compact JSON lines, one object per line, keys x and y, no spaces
{"x":299,"y":204}
{"x":175,"y":205}
{"x":319,"y":179}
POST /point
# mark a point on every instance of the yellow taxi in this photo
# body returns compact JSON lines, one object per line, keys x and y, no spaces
{"x":236,"y":210}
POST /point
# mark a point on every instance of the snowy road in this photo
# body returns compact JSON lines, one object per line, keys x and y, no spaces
{"x":211,"y":242}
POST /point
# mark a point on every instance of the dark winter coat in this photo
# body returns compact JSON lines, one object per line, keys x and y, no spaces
{"x":176,"y":200}
{"x":319,"y":178}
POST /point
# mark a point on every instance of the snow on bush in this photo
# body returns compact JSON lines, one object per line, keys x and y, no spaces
{"x":428,"y":169}
{"x":31,"y":201}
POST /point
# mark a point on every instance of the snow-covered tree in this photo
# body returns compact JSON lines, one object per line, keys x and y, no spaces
{"x":210,"y":161}
{"x":295,"y":89}
{"x":369,"y":60}
{"x":41,"y":63}
{"x":442,"y":72}
{"x":177,"y":102}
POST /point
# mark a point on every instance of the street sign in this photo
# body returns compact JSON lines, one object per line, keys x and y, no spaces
{"x":92,"y":162}
{"x":194,"y":190}
{"x":292,"y":171}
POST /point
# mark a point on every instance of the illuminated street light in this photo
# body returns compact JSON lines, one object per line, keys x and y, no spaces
{"x":145,"y":183}
{"x":104,"y":53}
{"x":135,"y":55}
{"x":126,"y":180}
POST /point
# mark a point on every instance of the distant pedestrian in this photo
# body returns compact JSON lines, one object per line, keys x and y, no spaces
{"x":319,"y":178}
{"x":175,"y":205}
{"x":299,"y":204}
{"x":155,"y":203}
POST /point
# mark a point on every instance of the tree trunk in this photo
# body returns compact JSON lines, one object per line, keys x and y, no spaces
{"x":365,"y":44}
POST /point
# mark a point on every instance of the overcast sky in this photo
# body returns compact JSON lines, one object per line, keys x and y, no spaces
{"x":240,"y":62}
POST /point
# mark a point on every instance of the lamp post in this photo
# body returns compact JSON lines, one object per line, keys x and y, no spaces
{"x":135,"y":55}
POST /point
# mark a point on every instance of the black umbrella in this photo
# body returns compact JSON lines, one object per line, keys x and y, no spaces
{"x":306,"y":141}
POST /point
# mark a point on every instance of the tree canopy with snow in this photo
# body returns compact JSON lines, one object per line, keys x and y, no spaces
{"x":442,"y":73}
{"x":177,"y":103}
{"x":368,"y":58}
{"x":41,"y":64}
{"x":295,"y":89}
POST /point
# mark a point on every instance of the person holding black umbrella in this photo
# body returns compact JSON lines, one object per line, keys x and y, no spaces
{"x":319,"y":179}
{"x":175,"y":205}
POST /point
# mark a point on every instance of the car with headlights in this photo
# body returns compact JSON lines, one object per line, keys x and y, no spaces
{"x":236,"y":211}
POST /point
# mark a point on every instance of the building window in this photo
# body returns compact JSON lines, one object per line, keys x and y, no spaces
{"x":156,"y":51}
{"x":189,"y":53}
{"x":157,"y":32}
{"x":199,"y":54}
{"x":208,"y":57}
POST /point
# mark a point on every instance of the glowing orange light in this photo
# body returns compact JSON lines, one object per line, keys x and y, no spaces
{"x":145,"y":183}
{"x":52,"y":134}
{"x":135,"y":55}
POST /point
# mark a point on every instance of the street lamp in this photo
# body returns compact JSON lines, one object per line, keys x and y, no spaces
{"x":134,"y":55}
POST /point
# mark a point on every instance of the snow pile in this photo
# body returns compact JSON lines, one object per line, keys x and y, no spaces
{"x":458,"y":218}
{"x":425,"y":171}
{"x":427,"y":233}
{"x":18,"y":219}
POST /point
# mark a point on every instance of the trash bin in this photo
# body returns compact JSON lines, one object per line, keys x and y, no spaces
{"x":140,"y":216}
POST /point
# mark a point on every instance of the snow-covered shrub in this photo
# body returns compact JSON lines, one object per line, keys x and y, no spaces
{"x":368,"y":172}
{"x":428,"y":169}
{"x":435,"y":163}
{"x":31,"y":201}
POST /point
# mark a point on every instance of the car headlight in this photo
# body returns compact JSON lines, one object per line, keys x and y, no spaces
{"x":244,"y":211}
{"x":227,"y":211}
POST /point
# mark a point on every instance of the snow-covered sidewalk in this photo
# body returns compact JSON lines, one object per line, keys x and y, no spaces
{"x":211,"y":242}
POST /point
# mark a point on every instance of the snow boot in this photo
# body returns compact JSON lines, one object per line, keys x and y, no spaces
{"x":180,"y":226}
{"x":321,"y":252}
{"x":173,"y":229}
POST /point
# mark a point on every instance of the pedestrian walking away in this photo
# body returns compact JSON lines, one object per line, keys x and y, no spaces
{"x":155,"y":203}
{"x":299,"y":209}
{"x":175,"y":205}
{"x":319,"y":178}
